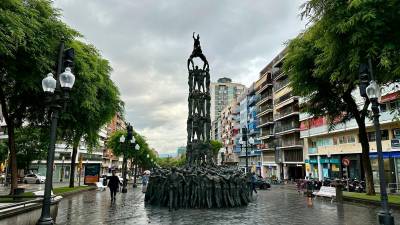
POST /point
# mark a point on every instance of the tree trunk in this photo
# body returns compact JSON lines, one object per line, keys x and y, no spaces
{"x":363,"y":138}
{"x":13,"y":157}
{"x":369,"y":179}
{"x":11,"y":142}
{"x":73,"y":162}
{"x":134,"y":177}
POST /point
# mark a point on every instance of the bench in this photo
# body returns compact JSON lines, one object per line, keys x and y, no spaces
{"x":328,"y":192}
{"x":100,"y":186}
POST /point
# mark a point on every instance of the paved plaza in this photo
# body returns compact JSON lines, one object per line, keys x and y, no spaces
{"x":280,"y":205}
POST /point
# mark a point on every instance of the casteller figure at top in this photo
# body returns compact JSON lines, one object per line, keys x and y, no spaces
{"x":197,"y":53}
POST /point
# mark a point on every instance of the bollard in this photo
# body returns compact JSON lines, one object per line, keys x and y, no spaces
{"x":339,"y":192}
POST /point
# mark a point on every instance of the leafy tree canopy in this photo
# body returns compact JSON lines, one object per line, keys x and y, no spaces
{"x":139,"y":157}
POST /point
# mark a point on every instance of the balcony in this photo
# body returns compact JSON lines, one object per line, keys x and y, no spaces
{"x":265,"y":122}
{"x":284,"y":100}
{"x":280,"y":85}
{"x":287,"y":112}
{"x":265,"y":109}
{"x":287,"y":128}
{"x":267,"y":83}
{"x":291,"y":143}
{"x":278,"y":73}
{"x":264,"y":98}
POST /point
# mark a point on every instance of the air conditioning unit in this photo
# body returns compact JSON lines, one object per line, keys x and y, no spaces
{"x":396,"y":133}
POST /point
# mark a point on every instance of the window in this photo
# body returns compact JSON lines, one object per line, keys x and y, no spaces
{"x":384,"y":135}
{"x":383,"y":107}
{"x":346,"y":139}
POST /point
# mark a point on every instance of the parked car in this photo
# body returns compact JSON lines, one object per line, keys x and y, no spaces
{"x":262,"y":183}
{"x":34,"y":179}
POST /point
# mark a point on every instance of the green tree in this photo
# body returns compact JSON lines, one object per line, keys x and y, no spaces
{"x":215,"y":147}
{"x":94,"y":101}
{"x":323,"y":62}
{"x":31,"y":143}
{"x":29,"y":37}
{"x":139,"y":158}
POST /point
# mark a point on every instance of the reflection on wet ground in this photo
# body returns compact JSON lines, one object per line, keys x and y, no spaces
{"x":279,"y":205}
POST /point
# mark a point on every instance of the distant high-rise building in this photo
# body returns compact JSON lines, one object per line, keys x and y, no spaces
{"x":181,"y":150}
{"x":223,"y":93}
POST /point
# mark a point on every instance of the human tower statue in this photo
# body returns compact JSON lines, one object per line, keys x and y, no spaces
{"x":200,"y":183}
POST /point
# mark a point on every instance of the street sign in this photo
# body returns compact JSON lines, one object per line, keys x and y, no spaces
{"x":346,"y":161}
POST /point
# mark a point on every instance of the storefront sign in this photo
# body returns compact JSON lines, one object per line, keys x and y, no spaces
{"x":334,"y":161}
{"x":313,"y":161}
{"x":395,"y":144}
{"x":346,"y":161}
{"x":92,"y":173}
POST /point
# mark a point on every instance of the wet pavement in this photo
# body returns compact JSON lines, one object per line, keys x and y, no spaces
{"x":280,"y":205}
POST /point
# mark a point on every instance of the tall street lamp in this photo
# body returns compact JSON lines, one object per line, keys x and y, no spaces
{"x":251,"y":142}
{"x":53,"y":88}
{"x":244,"y":139}
{"x":373,"y":93}
{"x":126,"y":142}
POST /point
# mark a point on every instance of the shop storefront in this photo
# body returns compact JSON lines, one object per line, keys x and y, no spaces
{"x":391,"y":165}
{"x":332,"y":167}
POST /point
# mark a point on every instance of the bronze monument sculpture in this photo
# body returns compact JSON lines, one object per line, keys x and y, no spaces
{"x":200,"y":183}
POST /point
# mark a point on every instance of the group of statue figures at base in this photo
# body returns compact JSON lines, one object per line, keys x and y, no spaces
{"x":198,"y":187}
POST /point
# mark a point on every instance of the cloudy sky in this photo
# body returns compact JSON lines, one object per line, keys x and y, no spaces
{"x":148,"y":42}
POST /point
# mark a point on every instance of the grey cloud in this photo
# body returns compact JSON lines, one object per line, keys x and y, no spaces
{"x":148,"y":42}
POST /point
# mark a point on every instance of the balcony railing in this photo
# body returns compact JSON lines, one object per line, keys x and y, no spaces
{"x":266,"y":95}
{"x":286,"y":112}
{"x":266,"y":107}
{"x":279,"y":85}
{"x":293,"y":142}
{"x":283,"y":98}
{"x":283,"y":128}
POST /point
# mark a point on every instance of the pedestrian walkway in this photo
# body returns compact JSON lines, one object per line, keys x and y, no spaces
{"x":280,"y":205}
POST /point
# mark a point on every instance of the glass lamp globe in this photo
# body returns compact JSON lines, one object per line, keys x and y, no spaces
{"x":49,"y":83}
{"x":148,"y":156}
{"x":133,"y":139}
{"x":251,"y":140}
{"x":122,"y":139}
{"x":137,"y":147}
{"x":374,"y":91}
{"x":67,"y":79}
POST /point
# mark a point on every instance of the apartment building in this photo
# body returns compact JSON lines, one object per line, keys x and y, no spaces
{"x":328,"y":151}
{"x":230,"y":135}
{"x":248,"y":120}
{"x":282,"y":148}
{"x":223,"y":93}
{"x":110,"y":161}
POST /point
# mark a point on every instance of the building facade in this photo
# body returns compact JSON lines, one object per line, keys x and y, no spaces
{"x":278,"y":116}
{"x":328,"y":149}
{"x":248,"y":120}
{"x":230,"y":126}
{"x":223,"y":93}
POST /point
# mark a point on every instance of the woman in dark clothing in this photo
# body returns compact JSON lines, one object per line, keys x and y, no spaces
{"x":113,"y":184}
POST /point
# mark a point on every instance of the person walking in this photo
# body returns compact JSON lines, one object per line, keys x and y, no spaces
{"x":253,"y":182}
{"x":145,"y":180}
{"x":113,"y":184}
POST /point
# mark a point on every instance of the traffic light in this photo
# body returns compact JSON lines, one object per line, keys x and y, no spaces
{"x":244,"y":134}
{"x":130,"y":131}
{"x":364,"y":79}
{"x":69,"y":56}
